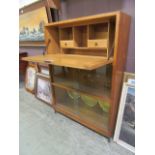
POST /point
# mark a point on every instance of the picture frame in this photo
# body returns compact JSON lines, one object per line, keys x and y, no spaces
{"x":125,"y":125}
{"x":43,"y":69}
{"x":129,"y":77}
{"x":30,"y":28}
{"x":43,"y":89}
{"x":30,"y":78}
{"x":32,"y":19}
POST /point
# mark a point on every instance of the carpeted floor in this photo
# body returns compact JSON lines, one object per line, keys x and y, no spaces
{"x":42,"y":132}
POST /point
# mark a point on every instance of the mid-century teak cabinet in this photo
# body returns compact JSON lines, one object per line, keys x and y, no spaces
{"x":86,"y":58}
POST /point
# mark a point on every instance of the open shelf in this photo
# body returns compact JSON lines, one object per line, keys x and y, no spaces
{"x":98,"y":35}
{"x":98,"y":31}
{"x":66,"y":37}
{"x":95,"y":36}
{"x":80,"y":36}
{"x":84,"y":106}
{"x":66,"y":33}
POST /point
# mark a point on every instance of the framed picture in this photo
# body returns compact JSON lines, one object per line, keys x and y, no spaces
{"x":32,"y":19}
{"x":43,"y":89}
{"x":43,"y":69}
{"x":33,"y":15}
{"x":30,"y":78}
{"x":125,"y":126}
{"x":32,"y":25}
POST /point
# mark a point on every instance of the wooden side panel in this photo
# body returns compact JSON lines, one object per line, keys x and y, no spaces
{"x":120,"y":53}
{"x":52,"y":40}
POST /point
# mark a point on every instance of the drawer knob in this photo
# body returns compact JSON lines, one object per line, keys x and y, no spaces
{"x":96,"y":43}
{"x":65,"y":44}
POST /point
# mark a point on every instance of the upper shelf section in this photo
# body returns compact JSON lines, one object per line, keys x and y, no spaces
{"x":70,"y":60}
{"x":92,"y":35}
{"x":86,"y":19}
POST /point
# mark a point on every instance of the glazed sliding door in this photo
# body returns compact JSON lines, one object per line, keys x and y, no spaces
{"x":86,"y":107}
{"x":84,"y":93}
{"x":95,"y":82}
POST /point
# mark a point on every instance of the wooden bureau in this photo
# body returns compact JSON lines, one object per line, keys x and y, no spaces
{"x":86,"y":58}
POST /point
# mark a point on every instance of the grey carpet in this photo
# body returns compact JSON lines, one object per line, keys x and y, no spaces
{"x":42,"y":132}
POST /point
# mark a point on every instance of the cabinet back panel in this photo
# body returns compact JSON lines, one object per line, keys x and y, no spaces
{"x":80,"y":36}
{"x":95,"y":52}
{"x":66,"y":33}
{"x":98,"y":31}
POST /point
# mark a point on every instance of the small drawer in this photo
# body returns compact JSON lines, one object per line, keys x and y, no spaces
{"x":98,"y":43}
{"x":67,"y":44}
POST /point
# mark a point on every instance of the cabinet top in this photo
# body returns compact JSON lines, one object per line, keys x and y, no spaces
{"x":85,"y":19}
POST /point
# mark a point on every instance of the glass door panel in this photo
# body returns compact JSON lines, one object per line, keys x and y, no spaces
{"x":86,"y":107}
{"x":96,"y":82}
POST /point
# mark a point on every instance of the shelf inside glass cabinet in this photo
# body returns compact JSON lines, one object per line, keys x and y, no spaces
{"x":86,"y":107}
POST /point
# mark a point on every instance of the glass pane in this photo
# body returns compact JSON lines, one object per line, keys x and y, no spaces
{"x":87,"y":107}
{"x":127,"y":133}
{"x":97,"y":82}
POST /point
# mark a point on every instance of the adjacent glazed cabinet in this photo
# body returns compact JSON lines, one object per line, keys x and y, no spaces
{"x":86,"y":58}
